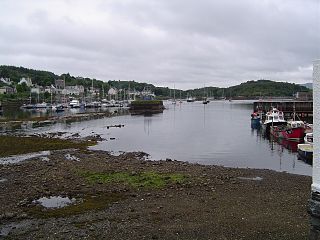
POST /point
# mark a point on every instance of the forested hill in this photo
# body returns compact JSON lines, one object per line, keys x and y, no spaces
{"x":266,"y":88}
{"x":248,"y":89}
{"x":16,"y":73}
{"x":45,"y":78}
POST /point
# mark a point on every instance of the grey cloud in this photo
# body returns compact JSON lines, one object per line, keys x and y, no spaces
{"x":189,"y":43}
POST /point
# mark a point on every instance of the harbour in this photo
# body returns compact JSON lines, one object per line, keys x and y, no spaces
{"x":160,"y":120}
{"x":217,"y":133}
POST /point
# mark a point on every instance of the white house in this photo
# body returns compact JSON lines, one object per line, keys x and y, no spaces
{"x":36,"y":89}
{"x":27,"y":81}
{"x":50,"y":89}
{"x":113,"y":91}
{"x":6,"y":81}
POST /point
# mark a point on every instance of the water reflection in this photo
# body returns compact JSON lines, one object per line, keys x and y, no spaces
{"x":147,"y":123}
{"x":54,"y":201}
{"x":16,"y":113}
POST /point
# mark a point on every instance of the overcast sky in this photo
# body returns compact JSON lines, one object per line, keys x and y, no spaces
{"x":188,"y":43}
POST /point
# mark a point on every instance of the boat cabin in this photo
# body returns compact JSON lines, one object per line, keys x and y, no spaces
{"x":275,"y":116}
{"x":296,"y":124}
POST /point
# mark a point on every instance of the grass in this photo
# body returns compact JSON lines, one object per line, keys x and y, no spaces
{"x":145,"y":179}
{"x":89,"y":203}
{"x":11,"y":145}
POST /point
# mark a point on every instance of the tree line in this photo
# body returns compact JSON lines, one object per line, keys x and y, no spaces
{"x":249,"y":89}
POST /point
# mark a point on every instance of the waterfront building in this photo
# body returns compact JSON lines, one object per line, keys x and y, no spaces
{"x":73,"y":90}
{"x":113,"y":93}
{"x":7,"y":90}
{"x":303,"y":96}
{"x":60,"y":84}
{"x":50,"y":89}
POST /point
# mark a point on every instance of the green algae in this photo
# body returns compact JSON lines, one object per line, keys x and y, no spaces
{"x":145,"y":179}
{"x":89,"y":203}
{"x":12,"y":145}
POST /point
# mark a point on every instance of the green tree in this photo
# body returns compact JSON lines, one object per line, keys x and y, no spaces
{"x":22,"y":88}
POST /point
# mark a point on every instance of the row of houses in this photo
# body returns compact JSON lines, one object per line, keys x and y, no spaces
{"x":60,"y":88}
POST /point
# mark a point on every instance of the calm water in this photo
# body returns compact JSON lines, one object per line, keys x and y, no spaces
{"x":15,"y":113}
{"x":218,"y":133}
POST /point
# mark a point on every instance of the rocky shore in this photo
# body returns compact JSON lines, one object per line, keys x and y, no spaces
{"x":131,"y":197}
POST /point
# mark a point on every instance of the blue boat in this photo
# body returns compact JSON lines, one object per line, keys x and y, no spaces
{"x":255,"y":120}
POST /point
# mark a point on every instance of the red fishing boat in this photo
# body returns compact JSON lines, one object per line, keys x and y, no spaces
{"x":294,"y":131}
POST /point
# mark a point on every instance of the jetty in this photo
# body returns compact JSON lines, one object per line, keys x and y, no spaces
{"x":287,"y":106}
{"x":146,"y":107}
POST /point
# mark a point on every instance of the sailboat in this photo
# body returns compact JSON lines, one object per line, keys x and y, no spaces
{"x":174,"y":95}
{"x":205,"y":96}
{"x":190,"y":98}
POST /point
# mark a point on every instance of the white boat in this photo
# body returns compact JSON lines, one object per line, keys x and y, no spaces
{"x":308,"y":138}
{"x":94,"y":104}
{"x":305,"y":152}
{"x":41,"y":105}
{"x":57,"y":108}
{"x":74,"y":104}
{"x":273,"y":118}
{"x":190,"y":99}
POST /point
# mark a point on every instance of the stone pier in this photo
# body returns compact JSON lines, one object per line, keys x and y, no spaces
{"x":314,"y":202}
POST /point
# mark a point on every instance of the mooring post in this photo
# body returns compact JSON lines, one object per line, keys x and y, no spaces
{"x":314,"y":202}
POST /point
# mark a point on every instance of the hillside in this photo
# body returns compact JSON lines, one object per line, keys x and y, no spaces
{"x":46,"y":78}
{"x":249,"y":89}
{"x":307,"y":85}
{"x":266,"y":88}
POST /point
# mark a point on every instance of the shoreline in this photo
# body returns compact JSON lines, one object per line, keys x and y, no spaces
{"x":129,"y":197}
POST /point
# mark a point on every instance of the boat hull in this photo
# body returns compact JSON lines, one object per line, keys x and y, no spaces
{"x":292,"y":134}
{"x":305,"y":152}
{"x":267,"y":126}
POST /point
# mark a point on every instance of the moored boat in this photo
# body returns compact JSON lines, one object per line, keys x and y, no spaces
{"x":294,"y":130}
{"x":205,"y":101}
{"x":305,"y":152}
{"x":57,"y":108}
{"x":41,"y":105}
{"x":28,"y":106}
{"x":94,"y":104}
{"x":255,"y":119}
{"x":190,"y":99}
{"x":273,"y":118}
{"x":308,"y":138}
{"x":74,"y":103}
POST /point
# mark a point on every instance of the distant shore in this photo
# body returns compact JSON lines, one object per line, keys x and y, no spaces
{"x":130,"y":197}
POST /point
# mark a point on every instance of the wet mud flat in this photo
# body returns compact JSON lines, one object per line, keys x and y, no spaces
{"x":131,"y":197}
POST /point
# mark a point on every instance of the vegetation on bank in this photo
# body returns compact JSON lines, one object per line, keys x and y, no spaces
{"x":144,"y":180}
{"x":147,"y":102}
{"x":249,"y":89}
{"x":12,"y":145}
